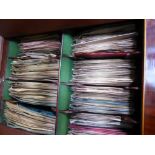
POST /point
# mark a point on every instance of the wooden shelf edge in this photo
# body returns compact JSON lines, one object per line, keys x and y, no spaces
{"x":10,"y":28}
{"x":4,"y":130}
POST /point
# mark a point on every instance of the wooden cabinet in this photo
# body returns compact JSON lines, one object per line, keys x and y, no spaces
{"x":11,"y":29}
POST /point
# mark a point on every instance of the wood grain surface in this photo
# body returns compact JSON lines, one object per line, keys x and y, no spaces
{"x":149,"y":91}
{"x":4,"y":130}
{"x":20,"y":27}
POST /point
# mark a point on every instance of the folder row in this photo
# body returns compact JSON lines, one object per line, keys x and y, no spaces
{"x":34,"y":84}
{"x":103,"y":81}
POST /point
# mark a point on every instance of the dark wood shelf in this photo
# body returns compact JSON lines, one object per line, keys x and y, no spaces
{"x":19,"y":27}
{"x":4,"y":130}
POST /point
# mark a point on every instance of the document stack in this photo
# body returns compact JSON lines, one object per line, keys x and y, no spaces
{"x":29,"y":118}
{"x":34,"y":82}
{"x":103,"y":79}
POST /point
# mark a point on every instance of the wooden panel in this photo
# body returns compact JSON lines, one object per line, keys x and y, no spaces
{"x":10,"y":131}
{"x":14,"y":28}
{"x":3,"y":57}
{"x":19,"y":27}
{"x":149,"y":92}
{"x":3,"y":54}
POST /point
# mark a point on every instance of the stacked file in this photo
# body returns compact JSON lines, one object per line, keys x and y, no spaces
{"x":35,"y":71}
{"x":85,"y":130}
{"x":38,"y":59}
{"x":29,"y":118}
{"x":34,"y":84}
{"x":94,"y":123}
{"x":102,"y":99}
{"x":107,"y":72}
{"x":118,"y":41}
{"x":36,"y":93}
{"x":41,"y":44}
{"x":99,"y":120}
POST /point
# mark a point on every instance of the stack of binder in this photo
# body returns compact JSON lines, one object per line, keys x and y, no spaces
{"x":34,"y":81}
{"x":103,"y":81}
